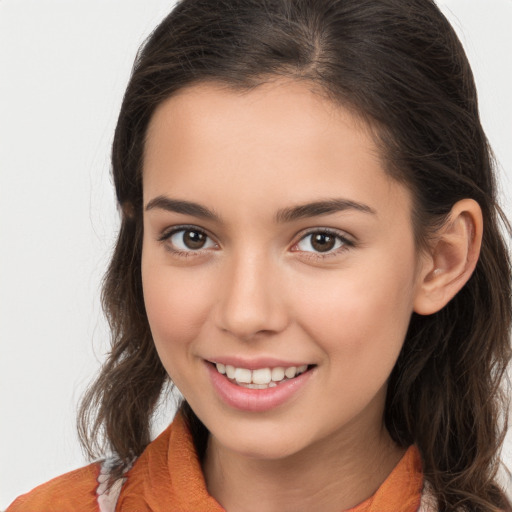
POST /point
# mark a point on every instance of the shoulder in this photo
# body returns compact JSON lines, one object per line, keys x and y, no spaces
{"x":75,"y":491}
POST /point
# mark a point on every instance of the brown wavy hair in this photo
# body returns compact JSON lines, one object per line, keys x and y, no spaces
{"x":400,"y":66}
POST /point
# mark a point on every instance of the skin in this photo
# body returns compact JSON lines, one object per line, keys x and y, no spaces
{"x":258,"y":288}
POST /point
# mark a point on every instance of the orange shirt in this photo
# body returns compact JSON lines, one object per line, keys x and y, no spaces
{"x":167,"y":477}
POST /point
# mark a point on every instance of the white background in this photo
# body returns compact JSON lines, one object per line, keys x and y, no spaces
{"x":63,"y":69}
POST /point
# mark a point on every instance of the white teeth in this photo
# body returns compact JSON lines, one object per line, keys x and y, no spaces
{"x":257,"y":386}
{"x":291,"y":372}
{"x":230,"y":371}
{"x":277,"y":373}
{"x":260,"y":378}
{"x":243,"y":375}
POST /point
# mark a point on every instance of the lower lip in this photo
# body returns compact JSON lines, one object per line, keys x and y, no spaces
{"x":256,"y":400}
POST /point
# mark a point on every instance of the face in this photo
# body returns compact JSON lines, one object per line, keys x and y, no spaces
{"x":279,"y":266}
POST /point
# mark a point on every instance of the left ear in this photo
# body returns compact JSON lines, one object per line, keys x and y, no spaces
{"x":451,"y":259}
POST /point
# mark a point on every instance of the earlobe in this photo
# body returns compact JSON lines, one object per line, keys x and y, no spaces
{"x":451,"y":259}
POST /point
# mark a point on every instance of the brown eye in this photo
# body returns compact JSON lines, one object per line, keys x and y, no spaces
{"x":322,"y":242}
{"x":188,"y":240}
{"x":194,"y":239}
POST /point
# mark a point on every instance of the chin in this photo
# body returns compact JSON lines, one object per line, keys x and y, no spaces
{"x":261,"y":443}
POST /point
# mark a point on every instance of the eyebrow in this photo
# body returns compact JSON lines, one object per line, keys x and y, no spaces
{"x":180,"y":206}
{"x":318,"y":208}
{"x":284,"y":215}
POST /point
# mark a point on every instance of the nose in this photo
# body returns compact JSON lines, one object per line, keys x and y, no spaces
{"x":251,"y":300}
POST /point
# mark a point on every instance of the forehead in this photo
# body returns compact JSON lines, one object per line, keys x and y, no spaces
{"x":282,"y":139}
{"x":287,"y":109}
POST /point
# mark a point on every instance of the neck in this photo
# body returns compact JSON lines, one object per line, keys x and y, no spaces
{"x":329,"y":475}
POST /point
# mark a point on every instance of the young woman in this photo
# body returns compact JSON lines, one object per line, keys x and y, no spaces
{"x":310,"y":252}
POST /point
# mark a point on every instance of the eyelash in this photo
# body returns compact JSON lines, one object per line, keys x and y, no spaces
{"x":345,"y":242}
{"x":166,"y":236}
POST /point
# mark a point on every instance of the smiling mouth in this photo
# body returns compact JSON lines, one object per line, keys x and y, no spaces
{"x":261,"y":378}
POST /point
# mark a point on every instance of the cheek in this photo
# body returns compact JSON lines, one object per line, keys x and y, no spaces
{"x":176,"y":306}
{"x":361,"y":313}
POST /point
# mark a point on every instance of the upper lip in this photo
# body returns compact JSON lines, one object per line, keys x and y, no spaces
{"x":254,"y":364}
